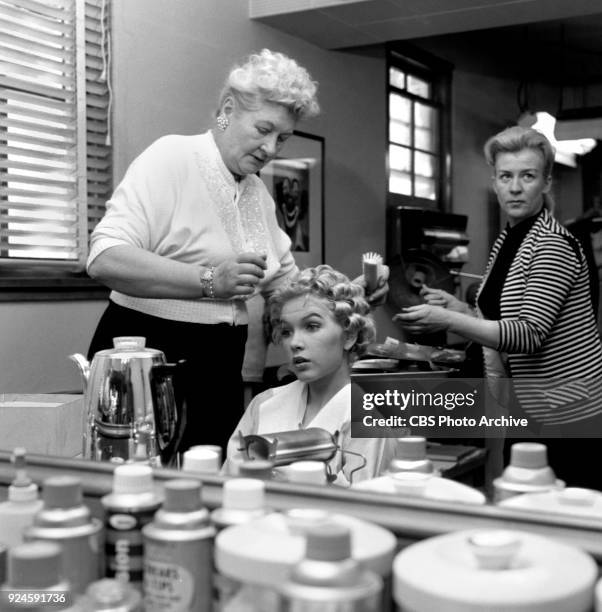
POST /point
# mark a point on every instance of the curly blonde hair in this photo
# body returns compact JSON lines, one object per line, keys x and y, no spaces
{"x":272,"y":77}
{"x":345,"y":298}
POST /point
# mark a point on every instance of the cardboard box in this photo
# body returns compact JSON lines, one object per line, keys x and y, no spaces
{"x":50,"y":424}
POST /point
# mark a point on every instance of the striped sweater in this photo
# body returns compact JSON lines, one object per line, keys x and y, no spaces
{"x":548,"y":328}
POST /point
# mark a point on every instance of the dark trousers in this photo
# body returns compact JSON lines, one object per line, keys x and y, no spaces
{"x":212,"y":381}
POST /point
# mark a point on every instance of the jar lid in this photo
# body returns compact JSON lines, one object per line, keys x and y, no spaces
{"x":310,"y":472}
{"x":263,"y":551}
{"x":243,"y":494}
{"x":256,"y":468}
{"x":216,"y":448}
{"x":410,"y":448}
{"x":484,"y":570}
{"x":441,"y":489}
{"x":201,"y":460}
{"x":573,"y":501}
{"x":182,"y":495}
{"x":132,"y":479}
{"x":328,"y":542}
{"x":133,"y":487}
{"x":62,"y":492}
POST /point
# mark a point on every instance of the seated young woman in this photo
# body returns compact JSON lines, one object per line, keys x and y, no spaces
{"x":322,"y":319}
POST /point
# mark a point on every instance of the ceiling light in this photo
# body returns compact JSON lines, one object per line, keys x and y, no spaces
{"x":566,"y":149}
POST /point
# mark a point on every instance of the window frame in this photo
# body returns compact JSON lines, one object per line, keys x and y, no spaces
{"x":50,"y":280}
{"x":438,"y":73}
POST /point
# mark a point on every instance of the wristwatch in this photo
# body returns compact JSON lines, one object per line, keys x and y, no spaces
{"x":207,"y":282}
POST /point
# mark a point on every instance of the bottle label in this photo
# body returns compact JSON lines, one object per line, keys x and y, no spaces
{"x":123,"y":544}
{"x":167,"y":587}
{"x":177,"y":575}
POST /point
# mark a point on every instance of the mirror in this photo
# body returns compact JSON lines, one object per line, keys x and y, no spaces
{"x":51,"y":425}
{"x":409,"y":518}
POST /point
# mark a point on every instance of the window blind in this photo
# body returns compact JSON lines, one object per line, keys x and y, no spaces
{"x":55,"y":154}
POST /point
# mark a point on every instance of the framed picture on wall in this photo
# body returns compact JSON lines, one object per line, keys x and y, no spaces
{"x":295,"y":179}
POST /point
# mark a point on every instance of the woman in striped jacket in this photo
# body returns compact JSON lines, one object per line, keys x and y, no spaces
{"x":534,"y":316}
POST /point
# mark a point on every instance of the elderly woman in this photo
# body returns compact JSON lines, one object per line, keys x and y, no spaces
{"x":190,"y":233}
{"x":534,"y":316}
{"x":322,"y":320}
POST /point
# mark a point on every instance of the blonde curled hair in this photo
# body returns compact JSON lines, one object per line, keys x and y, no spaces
{"x":345,"y":299}
{"x":272,"y":77}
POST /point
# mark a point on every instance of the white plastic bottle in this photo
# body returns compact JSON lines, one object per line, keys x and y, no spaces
{"x":23,"y":503}
{"x":243,"y":499}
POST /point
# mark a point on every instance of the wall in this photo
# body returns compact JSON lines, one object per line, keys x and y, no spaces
{"x":37,"y":338}
{"x":169,"y":60}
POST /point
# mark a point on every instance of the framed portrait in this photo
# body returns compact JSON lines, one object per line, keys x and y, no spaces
{"x":295,"y":179}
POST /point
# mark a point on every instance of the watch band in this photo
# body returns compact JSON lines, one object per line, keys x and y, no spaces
{"x":207,"y":282}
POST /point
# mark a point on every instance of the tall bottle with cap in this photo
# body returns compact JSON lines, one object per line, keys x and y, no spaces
{"x":131,"y":504}
{"x":528,"y":472}
{"x":328,"y":578}
{"x":65,"y":519}
{"x":243,"y":499}
{"x":259,"y":555}
{"x":34,"y":582}
{"x":178,"y":552}
{"x":23,"y":503}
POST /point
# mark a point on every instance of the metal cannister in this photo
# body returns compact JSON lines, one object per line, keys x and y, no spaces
{"x":328,"y":578}
{"x":66,"y":520}
{"x":178,"y":552}
{"x":129,"y":396}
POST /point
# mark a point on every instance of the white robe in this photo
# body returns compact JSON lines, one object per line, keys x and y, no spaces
{"x":283,"y":409}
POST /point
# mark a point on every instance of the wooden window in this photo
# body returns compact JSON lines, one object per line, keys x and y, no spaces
{"x":418,"y":152}
{"x":55,"y":152}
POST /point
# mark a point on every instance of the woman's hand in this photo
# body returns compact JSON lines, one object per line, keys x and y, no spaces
{"x":438,"y":297}
{"x":423,"y":319}
{"x":237,"y":278}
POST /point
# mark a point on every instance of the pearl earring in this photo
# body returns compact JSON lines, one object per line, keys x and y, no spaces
{"x":222,"y":122}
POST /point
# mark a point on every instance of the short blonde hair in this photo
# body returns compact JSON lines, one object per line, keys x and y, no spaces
{"x":346,"y":300}
{"x":515,"y":139}
{"x":272,"y":77}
